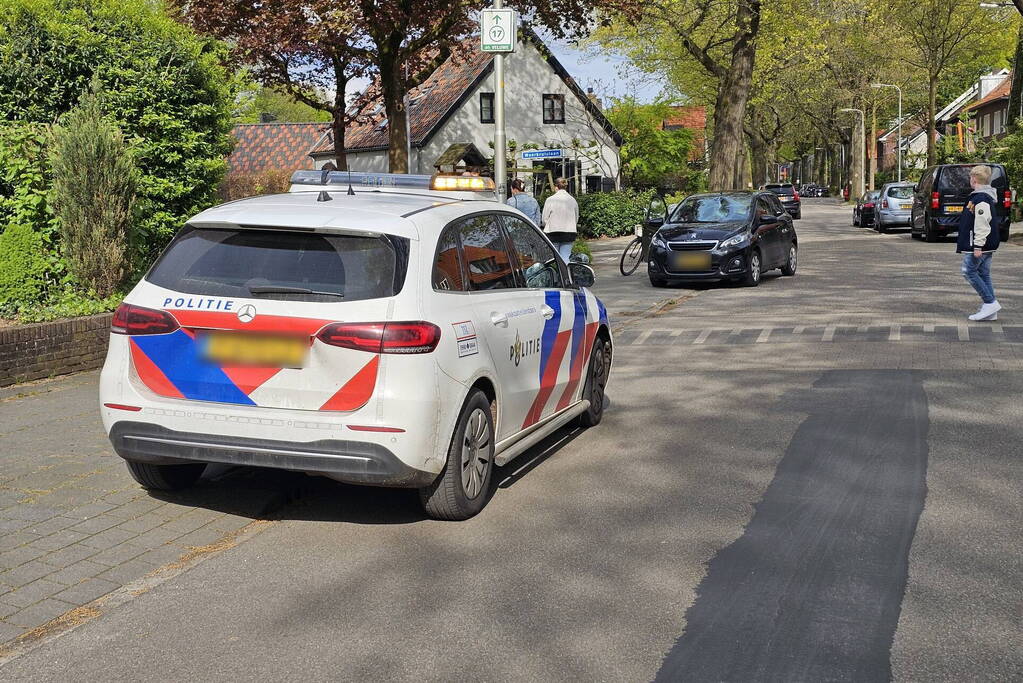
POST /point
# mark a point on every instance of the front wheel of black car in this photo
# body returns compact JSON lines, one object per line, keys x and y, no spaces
{"x":755,"y":270}
{"x":790,"y":263}
{"x":165,"y":477}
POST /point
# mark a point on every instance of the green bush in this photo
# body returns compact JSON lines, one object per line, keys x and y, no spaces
{"x":93,"y":195}
{"x":165,"y":89}
{"x":67,"y":303}
{"x":23,"y":267}
{"x":23,"y":177}
{"x":612,"y":214}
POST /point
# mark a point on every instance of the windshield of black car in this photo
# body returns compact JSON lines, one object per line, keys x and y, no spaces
{"x":283,"y":265}
{"x":712,"y":209}
{"x":901,"y":192}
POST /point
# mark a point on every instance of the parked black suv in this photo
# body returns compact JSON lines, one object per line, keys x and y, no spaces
{"x":941,"y":194}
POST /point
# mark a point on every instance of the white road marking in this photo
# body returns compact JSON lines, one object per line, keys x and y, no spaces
{"x":702,"y":337}
{"x":829,"y":334}
{"x":641,"y":338}
{"x":896,"y":333}
{"x":765,"y":334}
{"x":964,"y":332}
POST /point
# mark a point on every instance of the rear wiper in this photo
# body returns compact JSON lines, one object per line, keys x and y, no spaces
{"x":291,"y":290}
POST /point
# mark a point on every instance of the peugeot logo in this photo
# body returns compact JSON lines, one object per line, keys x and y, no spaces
{"x":247,"y":313}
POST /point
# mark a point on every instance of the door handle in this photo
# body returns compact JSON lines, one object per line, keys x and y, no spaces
{"x":498,"y":318}
{"x":546,"y":311}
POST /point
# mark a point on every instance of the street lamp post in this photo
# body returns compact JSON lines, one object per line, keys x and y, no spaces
{"x":858,"y":151}
{"x":898,"y":144}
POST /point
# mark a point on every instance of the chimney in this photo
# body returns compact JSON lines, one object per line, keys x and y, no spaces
{"x":988,"y":83}
{"x":266,"y":117}
{"x":592,"y":96}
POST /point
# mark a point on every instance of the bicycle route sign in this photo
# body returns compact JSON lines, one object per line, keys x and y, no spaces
{"x":543,"y":154}
{"x":497,"y":30}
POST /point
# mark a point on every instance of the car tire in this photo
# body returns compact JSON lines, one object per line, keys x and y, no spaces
{"x":755,"y":270}
{"x":461,"y":490}
{"x":914,"y":235}
{"x":657,"y":281}
{"x":799,"y":215}
{"x":929,"y":235}
{"x":881,"y":228}
{"x":791,"y":261}
{"x":856,"y":221}
{"x":596,"y":380}
{"x":165,"y":477}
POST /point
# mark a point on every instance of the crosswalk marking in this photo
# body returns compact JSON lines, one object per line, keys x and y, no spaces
{"x":896,"y":332}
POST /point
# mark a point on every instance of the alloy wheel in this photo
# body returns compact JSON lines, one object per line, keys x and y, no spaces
{"x":475,"y":453}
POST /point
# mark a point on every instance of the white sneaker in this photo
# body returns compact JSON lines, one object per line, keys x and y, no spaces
{"x":987,"y":312}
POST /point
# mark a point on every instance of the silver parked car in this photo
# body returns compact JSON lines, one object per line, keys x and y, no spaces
{"x":894,"y":206}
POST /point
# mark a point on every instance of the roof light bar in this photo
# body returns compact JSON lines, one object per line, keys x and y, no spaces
{"x":462,"y":182}
{"x":380,"y":181}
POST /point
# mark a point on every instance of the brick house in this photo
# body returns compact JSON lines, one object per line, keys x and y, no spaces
{"x":693,"y":117}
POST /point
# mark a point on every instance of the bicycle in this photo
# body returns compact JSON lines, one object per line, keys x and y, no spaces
{"x":636,"y":251}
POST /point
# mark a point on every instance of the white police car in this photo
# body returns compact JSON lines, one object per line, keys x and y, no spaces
{"x":373,"y":329}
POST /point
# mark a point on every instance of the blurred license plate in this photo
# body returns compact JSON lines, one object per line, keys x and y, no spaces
{"x":242,"y":348}
{"x":905,"y":206}
{"x":953,"y":209}
{"x":681,"y":260}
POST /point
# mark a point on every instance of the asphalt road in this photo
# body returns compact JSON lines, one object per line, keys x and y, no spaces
{"x":817,"y":479}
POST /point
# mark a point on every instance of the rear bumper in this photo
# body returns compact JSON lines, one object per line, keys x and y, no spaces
{"x":355,"y":462}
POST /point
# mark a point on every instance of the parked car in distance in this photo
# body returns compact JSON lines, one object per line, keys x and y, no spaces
{"x":716,"y":236}
{"x":863,"y":212}
{"x":788,"y":196}
{"x":941,"y":194}
{"x":894,"y":206}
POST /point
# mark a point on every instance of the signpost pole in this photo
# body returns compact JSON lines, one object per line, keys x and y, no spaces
{"x":500,"y":141}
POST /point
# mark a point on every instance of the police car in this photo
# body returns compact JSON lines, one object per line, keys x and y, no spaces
{"x":378,"y":329}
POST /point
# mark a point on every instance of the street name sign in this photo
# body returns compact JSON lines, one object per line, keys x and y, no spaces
{"x":497,"y":30}
{"x":543,"y":154}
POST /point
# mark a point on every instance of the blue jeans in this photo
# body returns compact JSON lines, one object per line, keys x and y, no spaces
{"x":977,"y":272}
{"x":565,"y":250}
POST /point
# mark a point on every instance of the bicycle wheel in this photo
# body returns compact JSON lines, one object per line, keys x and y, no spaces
{"x":631,"y":257}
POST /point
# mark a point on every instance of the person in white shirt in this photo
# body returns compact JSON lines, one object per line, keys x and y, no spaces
{"x":561,"y":218}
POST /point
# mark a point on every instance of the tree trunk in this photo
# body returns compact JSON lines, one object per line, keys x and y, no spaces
{"x":758,"y":153}
{"x":1015,"y":110}
{"x":872,"y":146}
{"x":835,"y":168}
{"x":392,"y":88}
{"x":337,"y":126}
{"x":730,"y":106}
{"x":932,"y":109}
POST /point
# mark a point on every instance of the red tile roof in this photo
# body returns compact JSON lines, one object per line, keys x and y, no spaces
{"x":429,"y":103}
{"x":693,"y":117}
{"x":273,"y":146}
{"x":1000,"y":92}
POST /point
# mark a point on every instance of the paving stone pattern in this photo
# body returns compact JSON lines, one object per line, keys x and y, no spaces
{"x":73,"y":524}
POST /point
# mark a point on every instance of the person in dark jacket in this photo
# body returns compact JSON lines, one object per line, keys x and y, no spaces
{"x":978,"y":240}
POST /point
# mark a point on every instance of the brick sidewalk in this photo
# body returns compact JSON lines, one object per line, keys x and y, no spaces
{"x":74,"y":525}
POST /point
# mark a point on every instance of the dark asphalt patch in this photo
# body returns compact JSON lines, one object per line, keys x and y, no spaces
{"x":813,"y":588}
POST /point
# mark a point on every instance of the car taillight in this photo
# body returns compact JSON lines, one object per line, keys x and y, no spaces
{"x":934,"y":200}
{"x":400,"y":337}
{"x":1007,"y":199}
{"x":795,"y":196}
{"x":868,"y":205}
{"x":884,"y":203}
{"x":134,"y":320}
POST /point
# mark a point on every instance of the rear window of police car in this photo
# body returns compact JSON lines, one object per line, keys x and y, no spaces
{"x":282,"y":265}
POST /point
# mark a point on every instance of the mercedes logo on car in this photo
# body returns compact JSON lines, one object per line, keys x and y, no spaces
{"x":247,"y":313}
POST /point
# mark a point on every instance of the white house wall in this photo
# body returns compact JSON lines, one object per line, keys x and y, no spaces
{"x":527,"y":78}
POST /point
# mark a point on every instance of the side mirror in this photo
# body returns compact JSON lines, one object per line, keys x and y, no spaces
{"x":582,"y":274}
{"x":579,"y":257}
{"x":767,"y":219}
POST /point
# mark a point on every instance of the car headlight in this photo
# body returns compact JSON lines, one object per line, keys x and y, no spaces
{"x":659,"y":240}
{"x":733,"y":241}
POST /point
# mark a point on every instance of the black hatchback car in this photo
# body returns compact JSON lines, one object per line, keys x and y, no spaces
{"x":941,"y":194}
{"x":716,"y":236}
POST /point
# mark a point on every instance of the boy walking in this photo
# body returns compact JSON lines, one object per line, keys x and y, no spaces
{"x":978,"y":240}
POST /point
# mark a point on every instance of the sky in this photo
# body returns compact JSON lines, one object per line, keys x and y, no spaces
{"x":609,"y":74}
